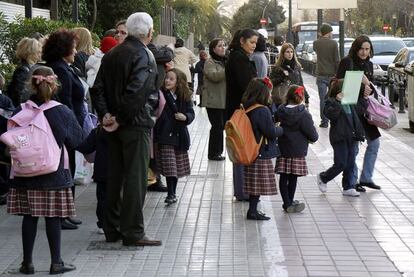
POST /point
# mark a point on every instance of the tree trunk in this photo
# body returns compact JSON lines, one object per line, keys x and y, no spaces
{"x":95,"y":8}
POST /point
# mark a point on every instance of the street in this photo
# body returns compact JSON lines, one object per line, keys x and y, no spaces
{"x":206,"y":234}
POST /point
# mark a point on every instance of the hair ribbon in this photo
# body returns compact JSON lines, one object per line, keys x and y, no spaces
{"x":267,"y":82}
{"x":48,"y":79}
{"x":300,"y":91}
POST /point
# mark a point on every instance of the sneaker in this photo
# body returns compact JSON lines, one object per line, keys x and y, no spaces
{"x":370,"y":185}
{"x":322,"y":186}
{"x":100,"y":231}
{"x":299,"y":207}
{"x":350,"y":192}
{"x":290,"y":209}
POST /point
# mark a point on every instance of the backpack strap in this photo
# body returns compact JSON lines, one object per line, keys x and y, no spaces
{"x":251,"y":108}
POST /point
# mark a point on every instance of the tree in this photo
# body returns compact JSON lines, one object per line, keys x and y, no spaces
{"x":248,"y":15}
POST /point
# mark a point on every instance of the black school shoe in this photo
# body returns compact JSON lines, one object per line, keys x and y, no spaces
{"x":216,"y":158}
{"x":66,"y":225}
{"x":158,"y":186}
{"x":257,"y":216}
{"x":370,"y":185}
{"x":27,"y":268}
{"x":360,"y":188}
{"x":61,"y":268}
{"x":74,"y":220}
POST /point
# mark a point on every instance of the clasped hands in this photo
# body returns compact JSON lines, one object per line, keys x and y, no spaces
{"x":109,"y":123}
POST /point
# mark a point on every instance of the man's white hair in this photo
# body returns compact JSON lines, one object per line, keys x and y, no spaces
{"x":139,"y":24}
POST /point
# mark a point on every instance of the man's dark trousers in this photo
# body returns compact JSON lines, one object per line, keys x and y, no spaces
{"x":127,"y":176}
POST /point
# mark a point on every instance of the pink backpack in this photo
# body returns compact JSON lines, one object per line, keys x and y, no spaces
{"x":33,"y":147}
{"x":380,"y":113}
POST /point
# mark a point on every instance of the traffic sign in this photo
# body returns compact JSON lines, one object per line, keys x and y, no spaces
{"x":386,"y":27}
{"x":263,"y":21}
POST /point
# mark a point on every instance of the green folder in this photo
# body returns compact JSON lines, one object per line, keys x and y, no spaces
{"x":351,"y":87}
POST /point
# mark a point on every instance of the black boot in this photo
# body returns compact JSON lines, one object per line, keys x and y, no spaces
{"x":26,"y":268}
{"x":61,"y":268}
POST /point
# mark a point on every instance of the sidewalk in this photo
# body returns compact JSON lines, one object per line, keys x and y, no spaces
{"x":206,"y":234}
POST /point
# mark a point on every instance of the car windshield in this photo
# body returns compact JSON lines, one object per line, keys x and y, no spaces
{"x":387,"y":47}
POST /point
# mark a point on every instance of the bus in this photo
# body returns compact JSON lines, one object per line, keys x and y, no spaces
{"x":308,"y":30}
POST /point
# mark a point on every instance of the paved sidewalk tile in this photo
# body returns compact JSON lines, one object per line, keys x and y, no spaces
{"x":206,"y":234}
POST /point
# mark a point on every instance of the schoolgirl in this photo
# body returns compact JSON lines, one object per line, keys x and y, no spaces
{"x":171,"y":133}
{"x":49,"y":195}
{"x":345,"y":132}
{"x":259,"y":177}
{"x":298,"y":131}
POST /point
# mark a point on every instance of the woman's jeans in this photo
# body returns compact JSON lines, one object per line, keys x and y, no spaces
{"x":322,"y":83}
{"x":370,"y":158}
{"x":215,"y":142}
{"x":344,"y":161}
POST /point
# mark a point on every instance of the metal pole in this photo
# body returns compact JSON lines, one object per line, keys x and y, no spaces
{"x":28,"y":8}
{"x":320,"y":20}
{"x":401,"y":96}
{"x":341,"y":33}
{"x":75,"y":11}
{"x":289,"y":36}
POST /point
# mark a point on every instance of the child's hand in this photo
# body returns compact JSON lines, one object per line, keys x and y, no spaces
{"x":339,"y":96}
{"x":367,"y":91}
{"x":180,"y":117}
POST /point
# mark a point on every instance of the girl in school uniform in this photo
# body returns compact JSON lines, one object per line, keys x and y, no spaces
{"x":171,"y":133}
{"x":259,"y":177}
{"x":298,"y":131}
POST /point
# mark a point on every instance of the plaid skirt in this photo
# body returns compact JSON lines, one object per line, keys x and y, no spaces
{"x":171,"y":162}
{"x":296,"y":166}
{"x":259,"y":178}
{"x":41,"y":203}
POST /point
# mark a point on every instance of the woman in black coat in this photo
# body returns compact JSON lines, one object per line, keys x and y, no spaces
{"x":358,"y":59}
{"x":239,"y":71}
{"x":59,"y":52}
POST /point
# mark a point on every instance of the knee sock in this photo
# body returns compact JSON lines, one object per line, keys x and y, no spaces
{"x":284,"y":191}
{"x":293,"y":179}
{"x":253,"y":200}
{"x":29,"y":230}
{"x":171,"y":185}
{"x":53,"y":231}
{"x":175,"y":185}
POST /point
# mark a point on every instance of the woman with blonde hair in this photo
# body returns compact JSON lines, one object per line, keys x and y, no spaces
{"x":287,"y":72}
{"x":29,"y":52}
{"x":85,"y":48}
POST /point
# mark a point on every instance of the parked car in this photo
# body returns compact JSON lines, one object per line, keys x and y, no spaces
{"x":409,"y":41}
{"x":299,"y":49}
{"x":308,"y":53}
{"x":396,"y":69}
{"x":385,"y":50}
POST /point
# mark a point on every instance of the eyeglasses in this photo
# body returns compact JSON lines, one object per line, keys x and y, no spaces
{"x":121,"y":32}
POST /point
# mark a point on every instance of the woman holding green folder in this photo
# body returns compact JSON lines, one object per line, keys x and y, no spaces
{"x":358,"y":59}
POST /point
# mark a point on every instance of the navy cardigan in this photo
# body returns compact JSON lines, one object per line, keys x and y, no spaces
{"x":71,"y":92}
{"x":298,"y":131}
{"x":67,"y":131}
{"x":170,"y":131}
{"x":262,"y":123}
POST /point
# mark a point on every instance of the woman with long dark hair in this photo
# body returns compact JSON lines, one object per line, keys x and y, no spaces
{"x":214,"y":97}
{"x":358,"y":59}
{"x":239,"y":71}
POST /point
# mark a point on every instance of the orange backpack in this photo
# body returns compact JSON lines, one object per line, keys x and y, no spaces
{"x":241,"y":144}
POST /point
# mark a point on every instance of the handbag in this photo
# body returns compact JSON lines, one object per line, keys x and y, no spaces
{"x":279,"y":92}
{"x":380,"y":113}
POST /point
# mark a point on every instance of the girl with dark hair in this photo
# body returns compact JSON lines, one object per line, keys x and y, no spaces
{"x":239,"y":71}
{"x":171,"y":133}
{"x":358,"y":59}
{"x":259,"y":177}
{"x":49,"y":195}
{"x":345,"y":133}
{"x":259,"y":58}
{"x":214,"y":97}
{"x":59,"y":53}
{"x":298,"y":131}
{"x":288,"y":69}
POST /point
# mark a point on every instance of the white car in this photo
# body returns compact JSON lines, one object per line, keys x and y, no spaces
{"x":385,"y":50}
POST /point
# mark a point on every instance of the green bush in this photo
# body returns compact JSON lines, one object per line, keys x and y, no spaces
{"x":7,"y":69}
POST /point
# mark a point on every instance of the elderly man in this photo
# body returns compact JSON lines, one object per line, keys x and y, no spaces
{"x":125,"y":96}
